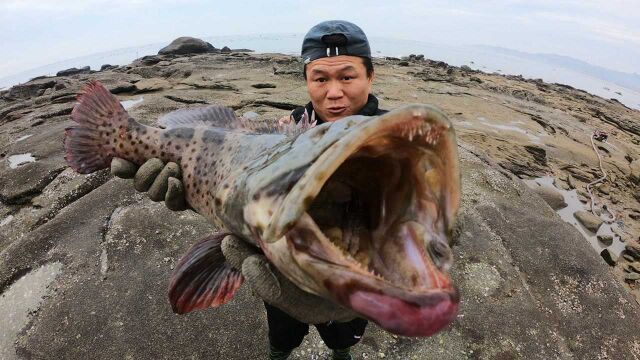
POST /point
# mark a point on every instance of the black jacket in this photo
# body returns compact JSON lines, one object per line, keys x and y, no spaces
{"x":369,"y":109}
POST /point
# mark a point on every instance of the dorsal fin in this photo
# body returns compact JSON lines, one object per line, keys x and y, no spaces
{"x":208,"y":116}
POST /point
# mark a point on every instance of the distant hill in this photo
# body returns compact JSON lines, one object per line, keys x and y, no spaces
{"x":628,"y":80}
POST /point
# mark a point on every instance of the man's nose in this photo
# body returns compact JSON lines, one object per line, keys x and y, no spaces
{"x":335,"y":90}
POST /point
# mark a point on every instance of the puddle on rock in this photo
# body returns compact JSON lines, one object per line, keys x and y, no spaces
{"x":17,"y":160}
{"x":21,"y":298}
{"x":127,"y":104}
{"x":533,"y":138}
{"x":573,"y":205}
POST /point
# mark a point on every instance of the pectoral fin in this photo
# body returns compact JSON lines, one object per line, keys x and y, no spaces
{"x":203,"y":278}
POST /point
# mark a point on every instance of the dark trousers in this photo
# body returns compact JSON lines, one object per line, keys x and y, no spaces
{"x":287,"y":333}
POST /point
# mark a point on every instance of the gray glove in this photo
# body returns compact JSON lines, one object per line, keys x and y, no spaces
{"x":160,"y":181}
{"x":270,"y":285}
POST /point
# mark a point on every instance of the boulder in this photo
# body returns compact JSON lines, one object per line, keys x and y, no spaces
{"x":74,"y":71}
{"x":225,"y":50}
{"x":106,"y":67}
{"x":30,"y":89}
{"x":588,"y":220}
{"x":633,"y":251}
{"x":609,"y":257}
{"x":605,"y":240}
{"x":187,"y":45}
{"x":551,"y":197}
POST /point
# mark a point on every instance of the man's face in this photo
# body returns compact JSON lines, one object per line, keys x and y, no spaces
{"x":338,"y":86}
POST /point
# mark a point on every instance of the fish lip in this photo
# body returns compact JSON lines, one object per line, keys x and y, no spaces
{"x":307,"y":188}
{"x":421,"y":315}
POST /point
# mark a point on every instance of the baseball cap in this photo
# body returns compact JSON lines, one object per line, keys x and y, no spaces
{"x":333,"y":38}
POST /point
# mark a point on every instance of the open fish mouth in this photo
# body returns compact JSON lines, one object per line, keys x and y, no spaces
{"x":373,"y":225}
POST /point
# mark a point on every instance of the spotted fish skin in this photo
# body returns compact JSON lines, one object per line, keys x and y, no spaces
{"x":211,"y":153}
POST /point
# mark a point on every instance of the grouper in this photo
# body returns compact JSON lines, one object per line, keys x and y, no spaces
{"x":359,"y":211}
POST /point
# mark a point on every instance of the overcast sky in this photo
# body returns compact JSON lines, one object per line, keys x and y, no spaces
{"x":602,"y":32}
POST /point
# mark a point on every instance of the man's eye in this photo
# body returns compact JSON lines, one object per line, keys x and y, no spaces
{"x":321,"y":79}
{"x":347,"y":78}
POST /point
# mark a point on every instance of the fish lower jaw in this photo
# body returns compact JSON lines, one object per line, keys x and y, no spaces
{"x":420,"y":318}
{"x":399,"y":310}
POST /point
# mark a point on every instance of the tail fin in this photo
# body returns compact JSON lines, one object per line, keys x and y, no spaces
{"x":90,"y":145}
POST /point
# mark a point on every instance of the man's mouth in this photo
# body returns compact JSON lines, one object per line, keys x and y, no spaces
{"x":373,"y":228}
{"x":336,"y":110}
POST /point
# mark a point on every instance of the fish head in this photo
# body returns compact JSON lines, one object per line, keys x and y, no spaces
{"x":363,"y":216}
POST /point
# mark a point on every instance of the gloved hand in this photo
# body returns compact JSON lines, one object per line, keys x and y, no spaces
{"x":269,"y":284}
{"x":160,"y":181}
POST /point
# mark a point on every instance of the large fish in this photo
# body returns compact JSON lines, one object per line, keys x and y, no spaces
{"x":359,"y":211}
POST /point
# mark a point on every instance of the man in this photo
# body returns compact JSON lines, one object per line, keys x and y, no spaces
{"x":339,"y":74}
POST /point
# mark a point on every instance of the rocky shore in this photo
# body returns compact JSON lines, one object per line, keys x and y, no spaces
{"x":541,"y":275}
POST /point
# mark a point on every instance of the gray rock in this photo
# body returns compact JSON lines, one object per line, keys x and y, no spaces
{"x":588,"y":220}
{"x":225,"y":50}
{"x":147,"y":174}
{"x":609,"y":257}
{"x":403,"y":63}
{"x":19,"y":185}
{"x":633,"y":251}
{"x":29,"y":89}
{"x":632,"y":277}
{"x":560,"y":184}
{"x":551,"y":197}
{"x":626,"y":256}
{"x":187,"y":45}
{"x":633,"y":267}
{"x":634,"y":173}
{"x":74,"y":71}
{"x":466,"y":68}
{"x":106,"y":67}
{"x":571,"y":181}
{"x":604,"y":189}
{"x":264,"y":85}
{"x":606,"y":240}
